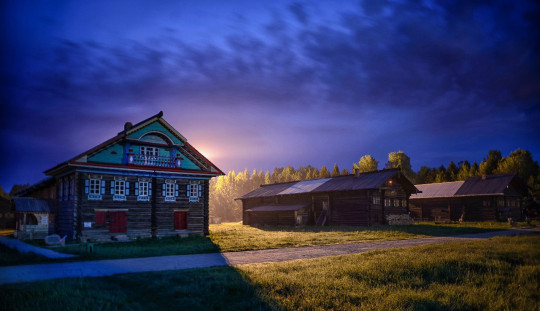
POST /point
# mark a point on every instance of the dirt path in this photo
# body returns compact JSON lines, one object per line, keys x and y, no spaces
{"x":30,"y":273}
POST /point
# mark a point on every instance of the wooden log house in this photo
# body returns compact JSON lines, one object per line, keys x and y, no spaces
{"x":479,"y":198}
{"x":145,"y":181}
{"x":362,"y":199}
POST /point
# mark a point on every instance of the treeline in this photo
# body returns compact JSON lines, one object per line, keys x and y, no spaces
{"x":225,"y":189}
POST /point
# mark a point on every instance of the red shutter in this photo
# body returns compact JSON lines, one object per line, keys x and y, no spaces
{"x":118,"y":222}
{"x":180,"y":220}
{"x":100,"y":218}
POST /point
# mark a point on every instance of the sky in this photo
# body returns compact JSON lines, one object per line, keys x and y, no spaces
{"x":264,"y":84}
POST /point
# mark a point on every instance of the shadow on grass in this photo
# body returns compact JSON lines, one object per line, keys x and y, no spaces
{"x":208,"y":288}
{"x":434,"y":230}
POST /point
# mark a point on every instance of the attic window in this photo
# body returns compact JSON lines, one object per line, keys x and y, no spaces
{"x":153,"y":139}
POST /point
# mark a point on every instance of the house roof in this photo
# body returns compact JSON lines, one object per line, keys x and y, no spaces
{"x":369,"y":180}
{"x":277,"y":208}
{"x":437,"y":190}
{"x":33,"y":205}
{"x":490,"y":184}
{"x":80,"y":160}
{"x":44,"y":183}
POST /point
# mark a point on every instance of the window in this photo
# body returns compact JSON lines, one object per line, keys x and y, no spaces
{"x":396,"y":202}
{"x":143,"y":190}
{"x":149,"y":151}
{"x":404,"y":203}
{"x":71,"y":187}
{"x":119,"y":189}
{"x":60,"y":191}
{"x":376,"y":200}
{"x":94,"y":188}
{"x":180,"y":220}
{"x":194,"y":191}
{"x":170,"y":191}
{"x":500,"y":202}
{"x":387,"y":202}
{"x":66,"y":190}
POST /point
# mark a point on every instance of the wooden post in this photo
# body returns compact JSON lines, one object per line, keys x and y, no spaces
{"x":153,"y":216}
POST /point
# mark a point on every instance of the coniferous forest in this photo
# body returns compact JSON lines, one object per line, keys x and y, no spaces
{"x":225,"y":189}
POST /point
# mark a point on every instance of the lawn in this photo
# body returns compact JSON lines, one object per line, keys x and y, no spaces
{"x":496,"y":274}
{"x":231,"y":237}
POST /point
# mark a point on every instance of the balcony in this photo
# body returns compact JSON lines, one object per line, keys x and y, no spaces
{"x":159,"y":161}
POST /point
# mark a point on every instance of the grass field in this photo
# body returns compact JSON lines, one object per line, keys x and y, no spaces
{"x":236,"y":237}
{"x":496,"y":274}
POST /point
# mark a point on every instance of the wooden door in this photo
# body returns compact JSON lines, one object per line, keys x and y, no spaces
{"x":180,"y":220}
{"x":118,"y":222}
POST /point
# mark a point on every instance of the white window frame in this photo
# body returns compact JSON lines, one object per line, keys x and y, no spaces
{"x":149,"y":151}
{"x":170,"y":189}
{"x":143,"y":188}
{"x":120,"y":187}
{"x":376,"y":200}
{"x":387,"y":202}
{"x":92,"y":188}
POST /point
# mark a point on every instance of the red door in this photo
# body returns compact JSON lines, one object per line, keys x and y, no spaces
{"x":118,"y":222}
{"x":180,"y":220}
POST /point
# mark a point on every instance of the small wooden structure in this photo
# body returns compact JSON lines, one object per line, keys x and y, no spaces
{"x":357,"y":200}
{"x":479,"y":198}
{"x":34,"y":218}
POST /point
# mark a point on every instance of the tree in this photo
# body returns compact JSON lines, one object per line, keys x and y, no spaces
{"x":475,"y":170}
{"x":344,"y":172}
{"x":335,"y":170}
{"x":489,"y":165}
{"x":3,"y":194}
{"x":400,"y":159}
{"x":451,"y":171}
{"x":325,"y":173}
{"x":441,"y":175}
{"x":519,"y":162}
{"x":422,"y":176}
{"x":464,"y":170}
{"x":366,"y":164}
{"x":267,"y":178}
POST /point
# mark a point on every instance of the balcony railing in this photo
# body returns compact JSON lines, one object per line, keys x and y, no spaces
{"x":160,"y":161}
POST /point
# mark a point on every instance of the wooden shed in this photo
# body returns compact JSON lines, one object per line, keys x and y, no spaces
{"x":358,"y":200}
{"x":34,"y":218}
{"x":479,"y":198}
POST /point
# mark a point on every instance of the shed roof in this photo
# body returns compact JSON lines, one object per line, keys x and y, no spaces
{"x":23,"y":205}
{"x":277,"y":208}
{"x":490,"y":184}
{"x":438,"y":190}
{"x":369,"y":180}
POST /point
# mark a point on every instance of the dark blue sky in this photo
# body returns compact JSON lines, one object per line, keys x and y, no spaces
{"x":262,"y":85}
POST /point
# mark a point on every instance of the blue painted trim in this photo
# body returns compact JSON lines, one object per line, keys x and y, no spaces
{"x":143,"y":174}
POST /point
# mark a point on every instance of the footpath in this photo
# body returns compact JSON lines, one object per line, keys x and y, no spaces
{"x":98,"y":268}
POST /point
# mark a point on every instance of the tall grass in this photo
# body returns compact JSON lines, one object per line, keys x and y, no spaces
{"x":496,"y":274}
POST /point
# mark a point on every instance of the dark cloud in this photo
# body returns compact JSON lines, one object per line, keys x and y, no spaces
{"x":401,"y":72}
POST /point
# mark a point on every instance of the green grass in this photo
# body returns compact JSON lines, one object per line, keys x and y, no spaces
{"x":496,"y":274}
{"x":236,"y":237}
{"x":9,"y":257}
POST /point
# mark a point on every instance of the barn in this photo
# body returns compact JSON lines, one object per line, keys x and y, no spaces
{"x":361,"y":199}
{"x":479,"y":198}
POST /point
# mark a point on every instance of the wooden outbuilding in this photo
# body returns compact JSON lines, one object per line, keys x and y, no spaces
{"x":357,"y":200}
{"x":145,"y":181}
{"x":479,"y":198}
{"x":34,"y":218}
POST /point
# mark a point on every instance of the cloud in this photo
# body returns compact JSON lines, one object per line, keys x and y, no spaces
{"x":384,"y":71}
